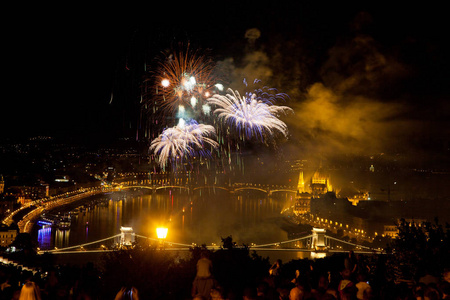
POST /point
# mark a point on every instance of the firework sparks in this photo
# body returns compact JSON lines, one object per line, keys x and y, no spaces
{"x":183,"y":140}
{"x":250,"y":116}
{"x":265,"y":94}
{"x":181,"y":76}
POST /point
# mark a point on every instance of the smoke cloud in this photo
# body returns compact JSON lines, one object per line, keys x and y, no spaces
{"x":331,"y":123}
{"x":254,"y":65}
{"x":362,"y":105}
{"x":357,"y":97}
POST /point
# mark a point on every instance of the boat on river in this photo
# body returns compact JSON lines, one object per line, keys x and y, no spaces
{"x":64,"y":222}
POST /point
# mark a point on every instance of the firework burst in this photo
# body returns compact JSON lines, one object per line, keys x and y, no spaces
{"x":183,"y":141}
{"x":183,"y":78}
{"x":250,"y":116}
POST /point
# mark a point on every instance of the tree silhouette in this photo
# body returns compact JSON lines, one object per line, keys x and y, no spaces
{"x":227,"y":243}
{"x":419,"y":248}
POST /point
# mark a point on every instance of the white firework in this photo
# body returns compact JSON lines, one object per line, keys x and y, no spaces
{"x":251,"y":117}
{"x":183,"y":140}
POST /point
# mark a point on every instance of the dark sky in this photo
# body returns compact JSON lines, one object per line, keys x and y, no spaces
{"x":62,"y":64}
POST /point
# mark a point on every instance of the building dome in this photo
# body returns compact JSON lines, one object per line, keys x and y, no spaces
{"x":320,"y":183}
{"x":320,"y":177}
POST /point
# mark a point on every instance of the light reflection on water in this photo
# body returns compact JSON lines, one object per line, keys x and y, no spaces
{"x":201,"y":219}
{"x":45,"y":238}
{"x":52,"y":237}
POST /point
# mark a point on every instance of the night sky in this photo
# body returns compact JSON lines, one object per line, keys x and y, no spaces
{"x":380,"y":72}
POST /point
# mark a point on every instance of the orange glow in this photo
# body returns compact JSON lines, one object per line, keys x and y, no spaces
{"x":161,"y":232}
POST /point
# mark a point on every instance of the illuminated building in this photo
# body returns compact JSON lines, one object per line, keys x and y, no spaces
{"x":303,"y":199}
{"x":7,"y":237}
{"x":392,"y":230}
{"x":361,"y":196}
{"x":302,"y":204}
{"x":320,"y":183}
{"x":25,"y":194}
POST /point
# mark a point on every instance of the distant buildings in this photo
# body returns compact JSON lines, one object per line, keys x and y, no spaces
{"x":357,"y":213}
{"x":7,"y":236}
{"x":25,"y":194}
{"x":40,"y":167}
{"x":392,"y":229}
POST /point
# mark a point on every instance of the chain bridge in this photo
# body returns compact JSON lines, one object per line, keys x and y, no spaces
{"x":318,"y":242}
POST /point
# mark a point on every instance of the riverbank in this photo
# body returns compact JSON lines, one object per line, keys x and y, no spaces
{"x":38,"y":207}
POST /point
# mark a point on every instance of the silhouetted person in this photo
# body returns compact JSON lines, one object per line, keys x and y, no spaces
{"x":350,"y":262}
{"x":349,"y":293}
{"x":362,"y":285}
{"x":275,"y":268}
{"x":204,"y":281}
{"x":345,"y":282}
{"x":30,"y":290}
{"x":296,"y":294}
{"x":275,"y":271}
{"x":51,"y":285}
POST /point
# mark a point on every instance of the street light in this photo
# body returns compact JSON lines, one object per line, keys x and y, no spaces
{"x":161,"y":232}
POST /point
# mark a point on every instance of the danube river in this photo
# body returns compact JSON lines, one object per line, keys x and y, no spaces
{"x":202,"y":218}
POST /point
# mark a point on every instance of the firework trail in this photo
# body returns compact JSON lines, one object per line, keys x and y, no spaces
{"x":183,"y":140}
{"x":251,"y":117}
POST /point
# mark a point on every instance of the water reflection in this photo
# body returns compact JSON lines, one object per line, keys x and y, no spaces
{"x":49,"y":237}
{"x":45,"y":238}
{"x":202,"y":218}
{"x":62,"y":238}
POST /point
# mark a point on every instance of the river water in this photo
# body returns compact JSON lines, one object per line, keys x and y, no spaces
{"x":202,"y":218}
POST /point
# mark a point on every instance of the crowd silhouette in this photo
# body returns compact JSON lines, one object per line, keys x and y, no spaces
{"x":236,"y":273}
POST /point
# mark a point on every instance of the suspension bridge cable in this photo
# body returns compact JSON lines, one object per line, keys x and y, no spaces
{"x":166,"y":242}
{"x":86,"y":244}
{"x":279,"y":243}
{"x":345,"y":242}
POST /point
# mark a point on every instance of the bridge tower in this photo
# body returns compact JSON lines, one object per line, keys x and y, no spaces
{"x":126,"y":236}
{"x":318,"y":241}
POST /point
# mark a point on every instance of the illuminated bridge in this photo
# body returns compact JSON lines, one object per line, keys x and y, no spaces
{"x":234,"y":188}
{"x":317,"y":242}
{"x":37,"y":207}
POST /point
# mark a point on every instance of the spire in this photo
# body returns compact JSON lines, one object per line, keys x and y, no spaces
{"x":301,"y":183}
